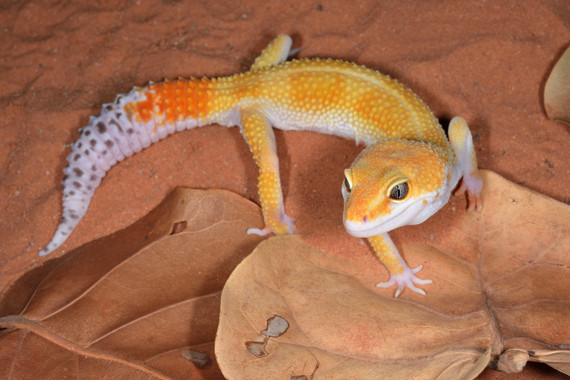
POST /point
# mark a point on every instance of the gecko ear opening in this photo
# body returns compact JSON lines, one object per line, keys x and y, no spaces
{"x":399,"y":190}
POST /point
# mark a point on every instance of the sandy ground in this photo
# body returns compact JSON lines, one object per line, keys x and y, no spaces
{"x":486,"y":61}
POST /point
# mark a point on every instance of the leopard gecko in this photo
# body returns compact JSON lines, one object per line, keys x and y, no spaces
{"x":404,"y":175}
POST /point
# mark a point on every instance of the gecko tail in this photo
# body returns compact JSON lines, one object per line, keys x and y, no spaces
{"x":109,"y":137}
{"x":131,"y":123}
{"x":73,"y":212}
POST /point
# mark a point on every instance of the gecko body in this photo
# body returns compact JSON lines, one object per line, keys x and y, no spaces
{"x":404,"y":176}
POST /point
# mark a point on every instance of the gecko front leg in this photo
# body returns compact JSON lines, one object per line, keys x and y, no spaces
{"x":259,"y":136}
{"x":400,"y":274}
{"x":462,"y":144}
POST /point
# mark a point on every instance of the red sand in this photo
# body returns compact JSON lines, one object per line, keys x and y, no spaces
{"x":486,"y":61}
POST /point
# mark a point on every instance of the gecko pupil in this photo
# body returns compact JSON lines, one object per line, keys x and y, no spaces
{"x":399,"y":191}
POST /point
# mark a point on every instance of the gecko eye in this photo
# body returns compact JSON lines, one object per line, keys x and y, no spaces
{"x":347,"y":185}
{"x":399,"y":191}
{"x":347,"y":181}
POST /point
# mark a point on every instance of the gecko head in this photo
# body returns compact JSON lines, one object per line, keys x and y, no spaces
{"x":394,"y":183}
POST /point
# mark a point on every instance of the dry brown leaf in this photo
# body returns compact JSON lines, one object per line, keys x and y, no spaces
{"x":144,"y":301}
{"x":557,"y":90}
{"x":141,"y":303}
{"x":501,"y":283}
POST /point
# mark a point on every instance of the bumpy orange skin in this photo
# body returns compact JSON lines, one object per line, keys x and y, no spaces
{"x":326,"y":96}
{"x":321,"y":95}
{"x":390,"y":258}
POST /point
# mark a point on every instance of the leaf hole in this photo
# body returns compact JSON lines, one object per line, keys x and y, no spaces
{"x":178,"y":227}
{"x":257,"y":348}
{"x":276,"y":326}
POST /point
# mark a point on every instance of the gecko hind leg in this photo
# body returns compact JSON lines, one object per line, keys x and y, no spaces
{"x":275,"y":53}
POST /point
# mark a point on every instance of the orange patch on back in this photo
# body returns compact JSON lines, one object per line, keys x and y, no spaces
{"x":172,"y":101}
{"x":198,"y":99}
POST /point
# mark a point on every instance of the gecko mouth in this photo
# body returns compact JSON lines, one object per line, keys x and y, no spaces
{"x":366,"y":229}
{"x":402,"y":215}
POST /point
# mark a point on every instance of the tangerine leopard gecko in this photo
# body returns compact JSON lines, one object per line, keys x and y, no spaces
{"x":405,"y":175}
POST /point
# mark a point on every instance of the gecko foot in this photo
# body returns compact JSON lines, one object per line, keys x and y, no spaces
{"x":285,"y":225}
{"x":471,"y":186}
{"x":405,"y":279}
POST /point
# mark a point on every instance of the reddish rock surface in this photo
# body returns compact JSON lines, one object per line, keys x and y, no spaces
{"x":485,"y":61}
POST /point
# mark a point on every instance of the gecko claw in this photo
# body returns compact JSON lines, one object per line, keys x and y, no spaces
{"x":406,"y":279}
{"x":258,"y":231}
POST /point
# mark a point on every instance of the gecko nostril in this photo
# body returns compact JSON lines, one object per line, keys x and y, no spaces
{"x":365,"y":219}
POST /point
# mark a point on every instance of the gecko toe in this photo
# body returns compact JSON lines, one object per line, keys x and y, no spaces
{"x":406,"y":279}
{"x":258,"y":231}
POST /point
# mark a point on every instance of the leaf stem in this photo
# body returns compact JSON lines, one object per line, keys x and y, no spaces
{"x":22,"y":323}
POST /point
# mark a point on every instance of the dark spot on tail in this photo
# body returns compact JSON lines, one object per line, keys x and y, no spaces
{"x":130,"y":131}
{"x":76,"y":157}
{"x":77,"y":185}
{"x":101,"y":127}
{"x":87,"y":133}
{"x":93,"y":142}
{"x":113,"y":122}
{"x":78,"y":172}
{"x":109,"y":143}
{"x":93,"y":178}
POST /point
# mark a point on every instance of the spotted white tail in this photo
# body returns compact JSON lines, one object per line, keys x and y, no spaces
{"x":131,"y":123}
